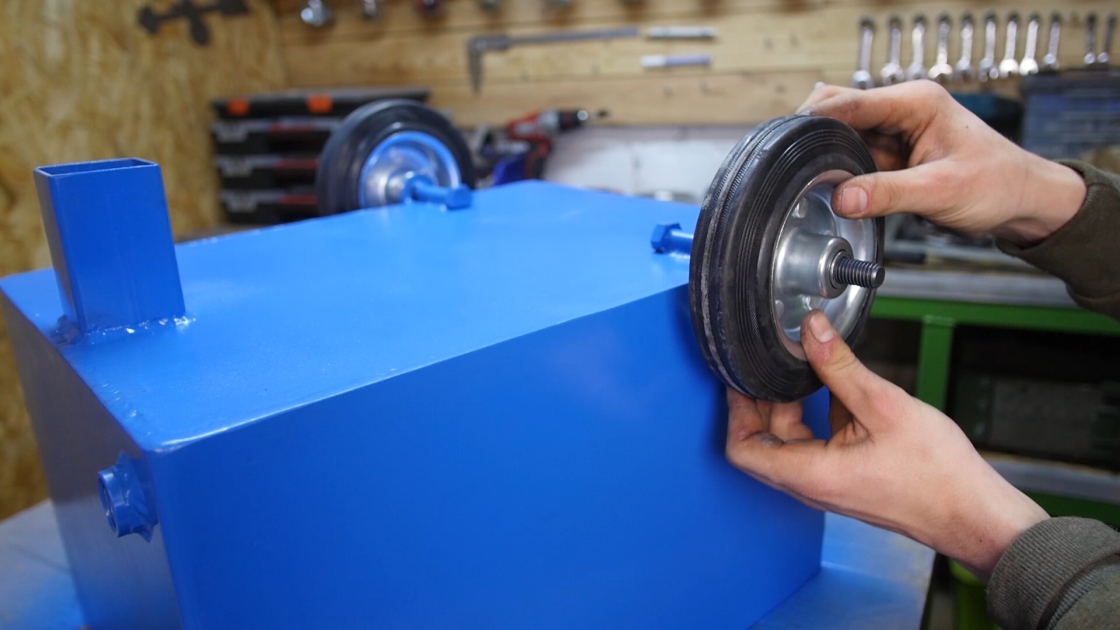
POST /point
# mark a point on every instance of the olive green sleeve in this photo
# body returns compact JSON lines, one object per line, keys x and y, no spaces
{"x":1064,"y":573}
{"x":1085,"y":253}
{"x":1061,"y":574}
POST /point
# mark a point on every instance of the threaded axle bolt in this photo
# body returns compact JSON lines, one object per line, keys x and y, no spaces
{"x":861,"y":273}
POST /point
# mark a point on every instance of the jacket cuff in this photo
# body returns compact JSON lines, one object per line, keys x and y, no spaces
{"x":1031,"y":577}
{"x":1077,"y":253}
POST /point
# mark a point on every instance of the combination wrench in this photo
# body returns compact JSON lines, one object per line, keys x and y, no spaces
{"x":1009,"y":67}
{"x":1090,"y":40}
{"x":964,"y":70}
{"x":941,"y":71}
{"x":917,"y":68}
{"x":1050,"y":59}
{"x":892,"y":72}
{"x":1029,"y":65}
{"x":862,"y":77}
{"x":988,"y":69}
{"x":1104,"y":56}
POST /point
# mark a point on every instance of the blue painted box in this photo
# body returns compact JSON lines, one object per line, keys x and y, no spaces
{"x":403,"y":418}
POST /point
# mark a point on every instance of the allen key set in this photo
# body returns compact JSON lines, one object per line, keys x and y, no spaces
{"x":1009,"y":65}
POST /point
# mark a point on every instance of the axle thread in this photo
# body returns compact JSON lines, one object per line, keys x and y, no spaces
{"x":861,"y":273}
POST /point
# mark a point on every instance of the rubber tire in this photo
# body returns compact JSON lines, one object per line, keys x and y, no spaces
{"x":733,"y":247}
{"x":338,"y":177}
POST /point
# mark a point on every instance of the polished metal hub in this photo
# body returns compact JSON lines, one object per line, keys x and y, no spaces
{"x":820,"y":262}
{"x":401,"y":157}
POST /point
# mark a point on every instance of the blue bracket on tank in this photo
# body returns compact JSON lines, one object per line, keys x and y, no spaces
{"x":124,"y":490}
{"x":110,"y":243}
{"x":421,"y":188}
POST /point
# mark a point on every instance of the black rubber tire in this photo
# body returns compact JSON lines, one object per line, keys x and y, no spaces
{"x":733,"y":247}
{"x":337,"y":180}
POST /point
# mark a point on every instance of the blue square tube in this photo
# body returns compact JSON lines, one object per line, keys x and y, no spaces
{"x":110,"y":242}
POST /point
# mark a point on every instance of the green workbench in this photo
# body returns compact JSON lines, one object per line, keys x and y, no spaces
{"x":939,"y":317}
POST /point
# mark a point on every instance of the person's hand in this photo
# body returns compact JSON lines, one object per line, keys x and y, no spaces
{"x":956,"y":170}
{"x":892,"y":461}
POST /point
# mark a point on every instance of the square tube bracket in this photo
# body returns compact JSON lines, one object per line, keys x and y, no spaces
{"x":110,"y":242}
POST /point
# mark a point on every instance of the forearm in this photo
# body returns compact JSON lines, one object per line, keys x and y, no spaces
{"x":1050,"y":195}
{"x":1085,"y":251}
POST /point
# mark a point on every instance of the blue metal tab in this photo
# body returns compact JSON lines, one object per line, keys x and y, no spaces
{"x":110,"y":242}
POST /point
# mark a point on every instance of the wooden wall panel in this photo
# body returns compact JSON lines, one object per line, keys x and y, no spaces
{"x":678,"y":99}
{"x":400,"y":18}
{"x":768,"y":53}
{"x":81,"y":81}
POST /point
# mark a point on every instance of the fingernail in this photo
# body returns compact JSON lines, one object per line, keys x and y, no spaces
{"x":821,"y":330}
{"x":769,"y":439}
{"x":853,"y":200}
{"x":804,"y":112}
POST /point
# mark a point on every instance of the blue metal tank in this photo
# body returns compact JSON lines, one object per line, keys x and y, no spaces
{"x":404,"y":417}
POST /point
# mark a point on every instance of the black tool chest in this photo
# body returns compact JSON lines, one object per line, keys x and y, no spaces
{"x":266,"y":148}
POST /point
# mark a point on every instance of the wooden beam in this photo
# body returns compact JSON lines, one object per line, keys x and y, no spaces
{"x":723,"y":98}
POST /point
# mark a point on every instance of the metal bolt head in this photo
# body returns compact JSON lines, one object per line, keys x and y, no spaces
{"x":457,"y":197}
{"x":660,"y":239}
{"x":124,"y":499}
{"x":421,"y":188}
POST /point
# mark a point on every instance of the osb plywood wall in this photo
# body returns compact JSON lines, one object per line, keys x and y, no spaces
{"x":80,"y":80}
{"x":766,"y":58}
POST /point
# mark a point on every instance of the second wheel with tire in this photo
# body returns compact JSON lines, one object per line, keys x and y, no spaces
{"x":375,"y":151}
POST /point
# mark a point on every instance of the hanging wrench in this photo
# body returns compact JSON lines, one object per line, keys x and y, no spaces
{"x":941,"y":70}
{"x":316,"y":14}
{"x":917,"y":68}
{"x":892,"y":72}
{"x":862,"y":78}
{"x":1009,"y":67}
{"x":1104,"y":56}
{"x":1029,"y":65}
{"x":1050,"y":59}
{"x":988,"y":68}
{"x":1090,"y":39}
{"x":964,"y":71}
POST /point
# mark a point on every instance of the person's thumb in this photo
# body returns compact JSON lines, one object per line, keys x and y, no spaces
{"x":887,"y":192}
{"x":850,"y":381}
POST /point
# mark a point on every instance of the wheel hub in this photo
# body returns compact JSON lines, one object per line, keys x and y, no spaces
{"x":817,"y":263}
{"x":401,"y":157}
